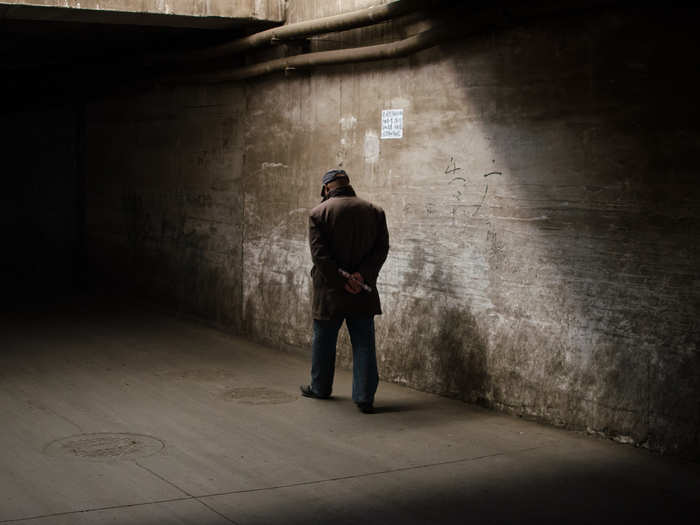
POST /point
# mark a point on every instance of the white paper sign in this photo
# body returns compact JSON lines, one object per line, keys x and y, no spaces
{"x":392,"y":123}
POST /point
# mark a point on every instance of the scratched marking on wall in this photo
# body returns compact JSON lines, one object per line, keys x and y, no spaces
{"x":451,"y":169}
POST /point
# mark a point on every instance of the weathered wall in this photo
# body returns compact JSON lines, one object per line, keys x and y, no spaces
{"x":40,"y":202}
{"x":164,"y":208}
{"x":273,"y":10}
{"x":542,"y":205}
{"x":543,"y":208}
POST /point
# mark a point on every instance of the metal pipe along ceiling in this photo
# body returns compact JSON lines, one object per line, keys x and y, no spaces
{"x":397,"y":49}
{"x":342,"y":22}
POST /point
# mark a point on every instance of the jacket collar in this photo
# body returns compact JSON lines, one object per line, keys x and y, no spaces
{"x":342,"y":191}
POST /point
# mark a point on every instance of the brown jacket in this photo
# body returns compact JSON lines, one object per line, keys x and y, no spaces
{"x":349,"y":233}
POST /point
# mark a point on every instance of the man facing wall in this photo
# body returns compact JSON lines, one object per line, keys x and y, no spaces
{"x":349,"y":243}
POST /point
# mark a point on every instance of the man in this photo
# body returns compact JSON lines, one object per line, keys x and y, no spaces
{"x":349,"y":243}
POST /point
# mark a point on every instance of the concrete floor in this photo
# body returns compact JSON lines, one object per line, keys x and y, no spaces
{"x":191,"y":426}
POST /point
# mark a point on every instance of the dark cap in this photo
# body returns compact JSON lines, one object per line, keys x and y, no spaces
{"x":331,"y":175}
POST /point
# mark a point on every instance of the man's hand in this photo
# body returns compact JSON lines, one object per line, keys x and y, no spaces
{"x":354,"y":284}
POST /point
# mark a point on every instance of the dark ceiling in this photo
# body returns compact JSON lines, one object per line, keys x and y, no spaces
{"x":48,"y":54}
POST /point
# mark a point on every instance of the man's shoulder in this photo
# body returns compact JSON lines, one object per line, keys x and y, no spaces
{"x":337,"y":203}
{"x":318,"y":209}
{"x":369,"y":205}
{"x":355,"y":202}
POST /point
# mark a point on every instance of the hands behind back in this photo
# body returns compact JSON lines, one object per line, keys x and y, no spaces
{"x":354,"y":283}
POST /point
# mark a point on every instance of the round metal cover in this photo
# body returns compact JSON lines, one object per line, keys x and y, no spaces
{"x":105,"y":446}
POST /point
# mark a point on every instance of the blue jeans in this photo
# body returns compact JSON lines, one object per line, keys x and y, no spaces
{"x":364,"y":358}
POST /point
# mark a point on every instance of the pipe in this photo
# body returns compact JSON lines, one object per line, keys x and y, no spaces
{"x":329,"y":24}
{"x":397,"y":49}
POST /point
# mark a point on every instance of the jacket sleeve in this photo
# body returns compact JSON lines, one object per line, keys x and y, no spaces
{"x":373,"y":261}
{"x":321,"y":254}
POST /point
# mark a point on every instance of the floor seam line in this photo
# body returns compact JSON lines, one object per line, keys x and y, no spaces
{"x":97,"y":509}
{"x":204,"y":504}
{"x":216,"y":511}
{"x":366,"y":474}
{"x":164,"y":479}
{"x":262,"y":489}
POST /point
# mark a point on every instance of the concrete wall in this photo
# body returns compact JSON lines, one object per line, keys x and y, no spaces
{"x":40,"y":203}
{"x":542,"y":204}
{"x":164,"y":208}
{"x":271,"y":10}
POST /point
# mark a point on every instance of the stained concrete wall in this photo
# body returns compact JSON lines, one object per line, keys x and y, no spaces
{"x":40,"y":203}
{"x":270,"y":10}
{"x":164,"y":208}
{"x":542,"y":204}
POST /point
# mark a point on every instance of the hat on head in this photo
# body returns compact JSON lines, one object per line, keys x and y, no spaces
{"x":331,"y":175}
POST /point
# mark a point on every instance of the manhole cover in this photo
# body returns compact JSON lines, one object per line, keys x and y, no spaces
{"x":105,"y":446}
{"x":258,"y":395}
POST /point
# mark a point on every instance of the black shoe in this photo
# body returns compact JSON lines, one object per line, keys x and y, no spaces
{"x":307,"y":392}
{"x":365,"y":408}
